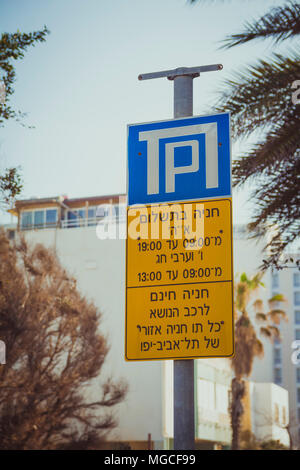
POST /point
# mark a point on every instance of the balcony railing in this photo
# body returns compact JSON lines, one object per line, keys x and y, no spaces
{"x":79,"y":222}
{"x":91,"y":222}
{"x":39,"y":226}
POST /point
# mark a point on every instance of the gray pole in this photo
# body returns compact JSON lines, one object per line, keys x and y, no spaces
{"x":184,"y":404}
{"x":184,"y":408}
{"x":183,"y":96}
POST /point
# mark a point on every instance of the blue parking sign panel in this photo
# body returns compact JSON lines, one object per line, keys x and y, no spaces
{"x":179,"y":159}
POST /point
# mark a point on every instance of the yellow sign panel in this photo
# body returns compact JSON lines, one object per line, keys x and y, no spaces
{"x":179,"y":281}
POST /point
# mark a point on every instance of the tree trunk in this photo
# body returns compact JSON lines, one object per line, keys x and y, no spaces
{"x":236,"y":410}
{"x":288,"y":429}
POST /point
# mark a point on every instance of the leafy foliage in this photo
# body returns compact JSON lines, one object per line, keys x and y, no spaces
{"x":250,"y":442}
{"x":13,"y":47}
{"x":272,"y":444}
{"x":54,"y":354}
{"x":10,"y":186}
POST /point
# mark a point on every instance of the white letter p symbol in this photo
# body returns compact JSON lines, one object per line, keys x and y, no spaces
{"x":172,"y":170}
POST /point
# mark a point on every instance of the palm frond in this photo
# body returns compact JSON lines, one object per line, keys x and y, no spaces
{"x":261,"y":317}
{"x":277,"y":315}
{"x":280,"y":23}
{"x":270,"y":156}
{"x":244,"y":278}
{"x":258,"y":305}
{"x":255,"y":281}
{"x":264,"y":331}
{"x":275,"y":332}
{"x":277,"y":298}
{"x":278,"y":204}
{"x":259,"y":96}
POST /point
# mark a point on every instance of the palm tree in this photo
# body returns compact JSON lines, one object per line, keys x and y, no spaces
{"x":260,"y":99}
{"x":247,"y":344}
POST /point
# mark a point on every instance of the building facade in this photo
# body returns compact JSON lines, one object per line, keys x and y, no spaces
{"x":286,"y":353}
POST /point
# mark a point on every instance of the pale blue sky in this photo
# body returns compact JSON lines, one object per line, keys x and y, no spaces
{"x":80,"y":87}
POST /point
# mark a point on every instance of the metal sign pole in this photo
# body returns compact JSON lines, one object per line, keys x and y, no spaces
{"x":184,"y":412}
{"x":184,"y":408}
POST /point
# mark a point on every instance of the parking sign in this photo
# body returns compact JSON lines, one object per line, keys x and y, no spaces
{"x":179,"y":159}
{"x":179,"y":268}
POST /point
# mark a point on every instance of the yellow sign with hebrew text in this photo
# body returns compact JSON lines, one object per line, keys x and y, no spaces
{"x":179,"y":281}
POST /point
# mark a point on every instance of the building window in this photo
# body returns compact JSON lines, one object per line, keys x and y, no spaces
{"x":277,"y":356}
{"x":297,"y":317}
{"x":26,"y":220}
{"x":298,"y":375}
{"x":298,"y":395}
{"x":114,"y":212}
{"x":51,"y":217}
{"x":298,"y":410}
{"x":277,"y":375}
{"x":296,"y":279}
{"x":277,"y":342}
{"x":119,"y":212}
{"x":206,"y":394}
{"x":297,"y":298}
{"x":91,"y":212}
{"x":95,"y":214}
{"x":92,"y":216}
{"x":76,"y":217}
{"x":222,"y":398}
{"x":275,"y":280}
{"x":103,"y":210}
{"x":41,"y":218}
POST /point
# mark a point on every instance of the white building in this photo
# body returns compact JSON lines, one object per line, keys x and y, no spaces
{"x":212,"y":391}
{"x":285,"y":355}
{"x":69,"y":226}
{"x":269,"y":412}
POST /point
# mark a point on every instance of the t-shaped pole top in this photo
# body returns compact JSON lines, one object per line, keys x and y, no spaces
{"x":181,"y":71}
{"x":183,"y":85}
